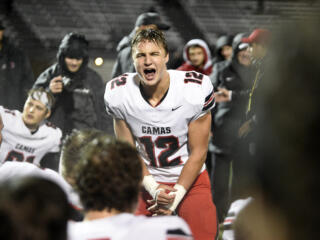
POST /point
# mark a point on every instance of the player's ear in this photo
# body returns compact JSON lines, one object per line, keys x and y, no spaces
{"x":167,"y":57}
{"x":48,"y":114}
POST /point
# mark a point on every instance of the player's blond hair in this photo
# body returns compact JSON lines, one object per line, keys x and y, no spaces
{"x":152,"y":35}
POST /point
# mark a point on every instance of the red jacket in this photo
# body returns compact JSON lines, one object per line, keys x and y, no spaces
{"x":187,"y":66}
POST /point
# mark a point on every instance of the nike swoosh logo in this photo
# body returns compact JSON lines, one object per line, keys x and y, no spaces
{"x":173,"y":109}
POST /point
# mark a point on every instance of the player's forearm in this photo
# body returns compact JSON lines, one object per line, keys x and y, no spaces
{"x":192,"y":168}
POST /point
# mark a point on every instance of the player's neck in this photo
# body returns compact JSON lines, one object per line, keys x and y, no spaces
{"x":92,"y":215}
{"x":32,"y":128}
{"x":154,"y":94}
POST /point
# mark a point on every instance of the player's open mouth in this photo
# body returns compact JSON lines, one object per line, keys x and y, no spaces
{"x":149,"y":73}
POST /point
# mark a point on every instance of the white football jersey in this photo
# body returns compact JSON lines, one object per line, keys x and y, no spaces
{"x":235,"y":208}
{"x":14,"y":170}
{"x":19,"y":144}
{"x":127,"y":226}
{"x":161,"y":132}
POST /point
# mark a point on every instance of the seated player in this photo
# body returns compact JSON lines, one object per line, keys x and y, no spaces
{"x":108,"y":178}
{"x":27,"y":136}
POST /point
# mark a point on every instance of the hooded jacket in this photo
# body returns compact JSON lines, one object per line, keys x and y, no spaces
{"x":187,"y":66}
{"x":80,"y":104}
{"x":222,"y":41}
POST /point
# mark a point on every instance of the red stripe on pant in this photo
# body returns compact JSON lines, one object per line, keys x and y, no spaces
{"x":196,"y":208}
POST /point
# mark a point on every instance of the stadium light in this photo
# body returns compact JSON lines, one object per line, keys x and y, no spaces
{"x":98,"y":61}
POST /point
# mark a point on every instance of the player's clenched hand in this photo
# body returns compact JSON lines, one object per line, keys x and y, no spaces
{"x":56,"y":85}
{"x":161,"y":211}
{"x":164,"y":197}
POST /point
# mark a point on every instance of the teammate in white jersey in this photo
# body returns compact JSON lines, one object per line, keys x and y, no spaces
{"x":108,"y":178}
{"x":26,"y":136}
{"x":14,"y":170}
{"x":166,"y":115}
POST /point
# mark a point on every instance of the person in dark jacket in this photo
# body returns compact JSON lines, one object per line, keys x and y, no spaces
{"x":124,"y":62}
{"x":236,"y":75}
{"x":16,"y":76}
{"x":197,"y":57}
{"x":78,"y":89}
{"x":259,"y":41}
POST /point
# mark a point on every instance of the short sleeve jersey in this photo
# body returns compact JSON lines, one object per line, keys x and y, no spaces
{"x":161,"y":132}
{"x":127,"y":226}
{"x":19,"y":144}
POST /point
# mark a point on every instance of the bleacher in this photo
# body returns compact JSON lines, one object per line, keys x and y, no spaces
{"x":103,"y":22}
{"x":232,"y":16}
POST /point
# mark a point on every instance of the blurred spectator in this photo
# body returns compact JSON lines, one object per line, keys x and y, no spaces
{"x":287,"y":158}
{"x":259,"y":41}
{"x":27,"y":136}
{"x":33,"y":208}
{"x":223,"y":49}
{"x":124,"y":61}
{"x":115,"y":167}
{"x":197,"y":57}
{"x":16,"y":76}
{"x":78,"y":89}
{"x":236,"y":75}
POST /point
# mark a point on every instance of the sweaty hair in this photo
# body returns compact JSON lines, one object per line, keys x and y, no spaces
{"x":109,"y":175}
{"x":72,"y":148}
{"x":152,"y":35}
{"x":33,"y":208}
{"x":43,"y":96}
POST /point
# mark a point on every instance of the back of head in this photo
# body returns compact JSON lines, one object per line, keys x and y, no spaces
{"x":37,"y":208}
{"x":72,"y":148}
{"x":73,"y":45}
{"x":109,"y":175}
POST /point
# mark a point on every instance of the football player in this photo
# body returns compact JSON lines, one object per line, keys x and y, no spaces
{"x":26,"y":136}
{"x":108,"y":177}
{"x":166,"y":114}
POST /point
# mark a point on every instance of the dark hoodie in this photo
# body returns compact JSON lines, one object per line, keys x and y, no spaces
{"x":187,"y":66}
{"x":124,"y":61}
{"x":80,"y":104}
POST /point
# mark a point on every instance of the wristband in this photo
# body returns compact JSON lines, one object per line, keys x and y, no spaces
{"x":150,"y":185}
{"x":181,"y":191}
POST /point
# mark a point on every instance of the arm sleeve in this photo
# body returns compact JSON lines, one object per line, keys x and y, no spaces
{"x":112,"y":103}
{"x":207,"y":93}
